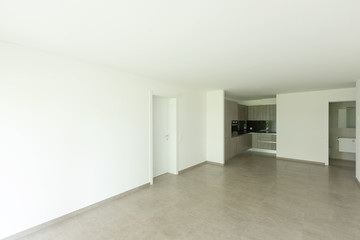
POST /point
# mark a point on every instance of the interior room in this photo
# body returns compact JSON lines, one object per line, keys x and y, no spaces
{"x":179,"y":120}
{"x":342,"y":134}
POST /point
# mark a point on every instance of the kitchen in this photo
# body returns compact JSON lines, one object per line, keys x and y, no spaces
{"x":249,"y":128}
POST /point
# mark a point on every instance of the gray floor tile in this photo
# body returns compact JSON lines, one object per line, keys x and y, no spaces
{"x":254,"y":196}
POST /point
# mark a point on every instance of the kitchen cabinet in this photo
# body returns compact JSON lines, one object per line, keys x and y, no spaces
{"x":237,"y":145}
{"x":231,"y":113}
{"x":264,"y":141}
{"x":227,"y":148}
{"x":262,"y":112}
{"x":272,"y":112}
{"x":251,"y":112}
{"x":242,"y":112}
{"x":243,"y":143}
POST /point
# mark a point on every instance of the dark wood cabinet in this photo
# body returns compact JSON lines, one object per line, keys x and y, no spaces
{"x":264,"y":141}
{"x":242,"y":112}
{"x":231,"y":113}
{"x":262,"y":112}
{"x":238,"y":144}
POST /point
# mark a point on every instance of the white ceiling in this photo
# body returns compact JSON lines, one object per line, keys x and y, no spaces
{"x":250,"y":48}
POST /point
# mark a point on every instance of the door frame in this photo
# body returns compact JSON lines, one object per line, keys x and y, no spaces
{"x":327,"y":124}
{"x":151,"y":142}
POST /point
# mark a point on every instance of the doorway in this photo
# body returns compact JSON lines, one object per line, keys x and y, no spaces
{"x":342,"y":134}
{"x":163,"y":136}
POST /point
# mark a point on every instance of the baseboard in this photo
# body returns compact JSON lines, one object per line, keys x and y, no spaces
{"x":301,"y":161}
{"x":73,"y":214}
{"x":189,"y":168}
{"x":215,"y":163}
{"x":342,"y":159}
{"x":199,"y":164}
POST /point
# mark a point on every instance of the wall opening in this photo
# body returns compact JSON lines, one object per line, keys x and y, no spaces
{"x":342,"y":134}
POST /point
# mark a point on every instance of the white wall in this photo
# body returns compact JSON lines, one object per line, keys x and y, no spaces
{"x":302,"y":123}
{"x":215,"y":110}
{"x":173,"y":169}
{"x":358,"y":130}
{"x":73,"y":134}
{"x":192,"y":129}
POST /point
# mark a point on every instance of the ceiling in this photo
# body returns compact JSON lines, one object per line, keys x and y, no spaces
{"x":251,"y":48}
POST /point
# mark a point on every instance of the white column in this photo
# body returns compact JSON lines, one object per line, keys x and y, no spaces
{"x":215,"y":126}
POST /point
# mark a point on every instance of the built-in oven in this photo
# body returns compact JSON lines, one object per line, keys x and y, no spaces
{"x":234,"y":126}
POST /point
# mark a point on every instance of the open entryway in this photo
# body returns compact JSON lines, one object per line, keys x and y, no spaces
{"x":164,"y":136}
{"x":342,"y":134}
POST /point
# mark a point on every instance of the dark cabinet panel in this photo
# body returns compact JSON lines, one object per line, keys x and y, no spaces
{"x":242,"y":112}
{"x":272,"y":112}
{"x":231,"y":113}
{"x":264,"y":141}
{"x":262,"y":112}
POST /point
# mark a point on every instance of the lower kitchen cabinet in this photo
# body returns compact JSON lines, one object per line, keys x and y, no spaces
{"x":239,"y":144}
{"x":236,"y":145}
{"x":265,"y":141}
{"x":243,"y":143}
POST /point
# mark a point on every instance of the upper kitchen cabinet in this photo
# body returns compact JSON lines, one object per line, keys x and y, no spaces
{"x":272,"y":112}
{"x":242,"y":112}
{"x":256,"y":113}
{"x":231,"y":110}
{"x":262,"y":112}
{"x":231,"y":113}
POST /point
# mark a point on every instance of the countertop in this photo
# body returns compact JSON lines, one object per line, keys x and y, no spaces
{"x":236,"y":134}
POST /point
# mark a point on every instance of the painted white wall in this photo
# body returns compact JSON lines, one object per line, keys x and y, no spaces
{"x":215,"y":110}
{"x":358,"y":130}
{"x":192,"y":117}
{"x":303,"y":123}
{"x":74,"y":133}
{"x":173,"y":136}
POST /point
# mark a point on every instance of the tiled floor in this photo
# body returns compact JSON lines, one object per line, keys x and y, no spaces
{"x":252,"y":197}
{"x":341,"y":163}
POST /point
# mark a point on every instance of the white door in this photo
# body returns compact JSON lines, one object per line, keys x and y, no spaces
{"x":164,"y":136}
